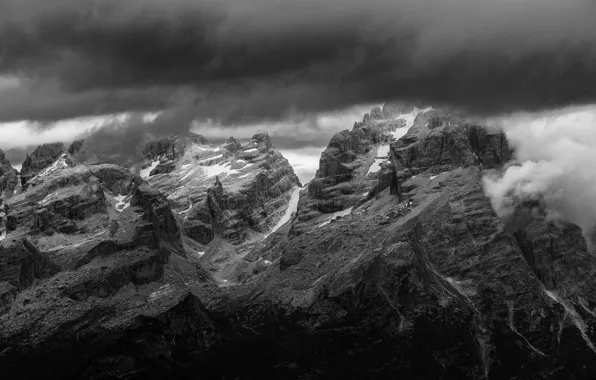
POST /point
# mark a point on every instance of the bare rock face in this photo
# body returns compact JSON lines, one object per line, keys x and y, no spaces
{"x":440,"y":142}
{"x":42,"y":157}
{"x":429,"y":275}
{"x":8,"y":176}
{"x":232,"y":145}
{"x":92,"y":255}
{"x":353,"y":162}
{"x":230,"y":191}
{"x":22,"y":264}
{"x":417,"y":277}
{"x":3,"y":219}
{"x":171,"y":148}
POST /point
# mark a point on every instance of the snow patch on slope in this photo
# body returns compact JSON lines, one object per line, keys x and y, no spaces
{"x":145,"y":172}
{"x":208,"y":148}
{"x":213,"y":170}
{"x":409,"y":118}
{"x":382,"y":152}
{"x":187,"y":210}
{"x":292,"y":207}
{"x":121,"y":204}
{"x":336,"y":215}
{"x":219,"y":169}
{"x":210,"y":158}
{"x":59,"y":164}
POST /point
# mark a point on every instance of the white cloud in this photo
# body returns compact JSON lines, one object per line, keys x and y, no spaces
{"x":556,"y":154}
{"x":25,"y":133}
{"x":305,"y":162}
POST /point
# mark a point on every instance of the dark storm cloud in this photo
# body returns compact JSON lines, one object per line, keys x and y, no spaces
{"x":256,"y":59}
{"x":122,"y":141}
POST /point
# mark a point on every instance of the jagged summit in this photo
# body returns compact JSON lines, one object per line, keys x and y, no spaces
{"x":393,"y":252}
{"x":253,"y":177}
{"x":232,"y":145}
{"x":8,"y":176}
{"x":42,"y":157}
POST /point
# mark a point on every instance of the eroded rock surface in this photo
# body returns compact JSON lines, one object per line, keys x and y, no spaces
{"x":230,"y":195}
{"x":81,"y":243}
{"x":9,"y":180}
{"x":43,"y":157}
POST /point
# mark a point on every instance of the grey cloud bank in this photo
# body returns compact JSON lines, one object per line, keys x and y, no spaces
{"x":556,"y":154}
{"x":248,"y":60}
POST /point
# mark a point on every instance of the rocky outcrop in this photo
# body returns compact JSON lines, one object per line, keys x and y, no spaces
{"x":76,"y":147}
{"x":114,"y":178}
{"x":429,"y":275}
{"x":68,"y":194}
{"x":352,"y":163}
{"x":171,"y":148}
{"x":21,"y":263}
{"x":82,"y":291}
{"x":419,"y":278}
{"x":8,"y":176}
{"x":42,"y":157}
{"x":3,"y":219}
{"x":157,"y":212}
{"x":233,"y":192}
{"x":433,"y":278}
{"x":232,"y":146}
{"x":440,"y":142}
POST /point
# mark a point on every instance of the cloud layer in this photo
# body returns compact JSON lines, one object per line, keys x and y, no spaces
{"x":556,"y":154}
{"x":248,"y":60}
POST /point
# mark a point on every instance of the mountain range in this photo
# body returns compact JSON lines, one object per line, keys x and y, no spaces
{"x":214,"y":261}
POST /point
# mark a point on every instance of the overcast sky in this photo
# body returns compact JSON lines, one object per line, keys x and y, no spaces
{"x":278,"y":63}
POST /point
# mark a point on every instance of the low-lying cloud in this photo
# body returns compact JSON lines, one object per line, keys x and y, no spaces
{"x":556,"y":161}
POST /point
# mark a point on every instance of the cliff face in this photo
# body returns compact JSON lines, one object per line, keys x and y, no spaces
{"x":95,"y":258}
{"x":350,"y":167}
{"x":8,"y":176}
{"x":223,"y":196}
{"x":85,"y":258}
{"x":41,"y":158}
{"x":412,"y":275}
{"x":245,"y":201}
{"x":423,"y":270}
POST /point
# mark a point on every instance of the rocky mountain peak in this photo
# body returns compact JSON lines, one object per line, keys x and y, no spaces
{"x":197,"y":139}
{"x":232,"y":145}
{"x":8,"y":176}
{"x":214,"y":252}
{"x":41,"y":158}
{"x":262,"y":139}
{"x":76,"y":146}
{"x":231,"y":192}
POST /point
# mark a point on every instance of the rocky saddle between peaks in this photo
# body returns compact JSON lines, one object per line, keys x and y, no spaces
{"x":394,"y":264}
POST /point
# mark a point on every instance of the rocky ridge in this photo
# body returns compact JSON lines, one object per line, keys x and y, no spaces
{"x":353,"y":162}
{"x":82,"y":242}
{"x":417,"y":279}
{"x":224,"y":197}
{"x":423,"y":280}
{"x":43,"y":157}
{"x":9,"y":180}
